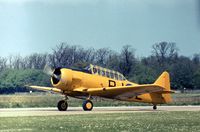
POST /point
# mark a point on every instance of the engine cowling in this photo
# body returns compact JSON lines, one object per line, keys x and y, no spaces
{"x":62,"y":78}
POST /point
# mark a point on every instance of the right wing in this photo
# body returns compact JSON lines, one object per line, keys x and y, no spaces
{"x":51,"y":89}
{"x":121,"y":92}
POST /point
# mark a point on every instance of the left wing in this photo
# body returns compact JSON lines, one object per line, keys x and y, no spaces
{"x":56,"y":90}
{"x":121,"y":91}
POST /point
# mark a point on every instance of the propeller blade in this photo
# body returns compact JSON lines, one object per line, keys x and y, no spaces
{"x":48,"y":70}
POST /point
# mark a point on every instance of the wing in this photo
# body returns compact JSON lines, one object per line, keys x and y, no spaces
{"x":121,"y":92}
{"x":56,"y":90}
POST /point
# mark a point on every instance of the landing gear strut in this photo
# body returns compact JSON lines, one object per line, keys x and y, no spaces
{"x":154,"y":107}
{"x":87,"y":105}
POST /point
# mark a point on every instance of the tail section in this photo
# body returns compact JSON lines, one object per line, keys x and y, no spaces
{"x":164,"y":82}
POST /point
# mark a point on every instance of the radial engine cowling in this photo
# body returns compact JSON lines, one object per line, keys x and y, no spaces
{"x":62,"y":78}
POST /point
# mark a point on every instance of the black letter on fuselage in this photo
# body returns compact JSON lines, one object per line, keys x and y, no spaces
{"x":112,"y":83}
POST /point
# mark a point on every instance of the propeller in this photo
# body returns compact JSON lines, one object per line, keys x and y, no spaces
{"x":54,"y":73}
{"x":49,"y":71}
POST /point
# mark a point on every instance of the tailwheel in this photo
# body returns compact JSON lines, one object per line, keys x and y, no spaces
{"x":155,"y":107}
{"x":87,"y":105}
{"x":62,"y":105}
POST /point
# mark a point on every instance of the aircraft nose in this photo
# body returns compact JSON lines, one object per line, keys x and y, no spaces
{"x":56,"y":76}
{"x":62,"y":78}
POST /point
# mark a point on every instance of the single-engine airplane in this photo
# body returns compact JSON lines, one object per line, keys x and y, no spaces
{"x":98,"y":81}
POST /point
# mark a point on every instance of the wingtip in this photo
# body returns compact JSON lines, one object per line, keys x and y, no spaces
{"x":27,"y":86}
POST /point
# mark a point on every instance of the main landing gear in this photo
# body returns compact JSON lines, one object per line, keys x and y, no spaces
{"x":87,"y":105}
{"x":155,"y":107}
{"x":62,"y":105}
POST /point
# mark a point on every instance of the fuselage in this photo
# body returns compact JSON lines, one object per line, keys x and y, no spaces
{"x":72,"y":79}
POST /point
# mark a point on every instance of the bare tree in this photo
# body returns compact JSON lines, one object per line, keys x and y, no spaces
{"x":196,"y":59}
{"x":101,"y":55}
{"x":10,"y":61}
{"x":17,"y":61}
{"x":64,"y":55}
{"x":113,"y":61}
{"x":84,"y":55}
{"x":165,"y":52}
{"x":127,"y":59}
{"x":3,"y":62}
{"x":59,"y":56}
{"x":37,"y":61}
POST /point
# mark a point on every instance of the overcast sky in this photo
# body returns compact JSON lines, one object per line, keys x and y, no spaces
{"x":28,"y":26}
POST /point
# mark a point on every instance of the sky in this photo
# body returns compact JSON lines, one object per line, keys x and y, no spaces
{"x":29,"y":26}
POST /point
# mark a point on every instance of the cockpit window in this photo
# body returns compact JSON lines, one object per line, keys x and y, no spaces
{"x":123,"y":78}
{"x":107,"y":74}
{"x":103,"y":73}
{"x":94,"y":70}
{"x":99,"y":71}
{"x":88,"y":69}
{"x":111,"y":75}
{"x":120,"y":77}
{"x":116,"y":76}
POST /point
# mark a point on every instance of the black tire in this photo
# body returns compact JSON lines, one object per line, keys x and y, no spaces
{"x":87,"y":105}
{"x":155,"y":107}
{"x":62,"y":105}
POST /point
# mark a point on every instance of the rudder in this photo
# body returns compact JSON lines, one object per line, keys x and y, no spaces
{"x":164,"y":82}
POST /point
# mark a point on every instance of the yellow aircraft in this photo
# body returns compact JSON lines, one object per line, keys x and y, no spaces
{"x":97,"y":81}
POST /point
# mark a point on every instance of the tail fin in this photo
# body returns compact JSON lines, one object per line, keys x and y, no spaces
{"x":164,"y":82}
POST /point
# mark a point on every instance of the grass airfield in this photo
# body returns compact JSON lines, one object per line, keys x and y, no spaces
{"x":113,"y":121}
{"x":117,"y":122}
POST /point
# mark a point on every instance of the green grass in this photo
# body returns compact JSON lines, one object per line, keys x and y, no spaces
{"x":50,"y":100}
{"x":127,"y":122}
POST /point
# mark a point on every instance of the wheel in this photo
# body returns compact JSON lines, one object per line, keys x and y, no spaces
{"x":154,"y":107}
{"x":62,"y":105}
{"x":87,"y":105}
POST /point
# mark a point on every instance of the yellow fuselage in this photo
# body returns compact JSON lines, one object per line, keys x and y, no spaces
{"x":71,"y":79}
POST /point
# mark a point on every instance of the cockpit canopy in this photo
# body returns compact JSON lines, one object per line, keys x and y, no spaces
{"x":93,"y":69}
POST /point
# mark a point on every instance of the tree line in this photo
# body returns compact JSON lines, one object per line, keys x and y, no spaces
{"x":17,"y":71}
